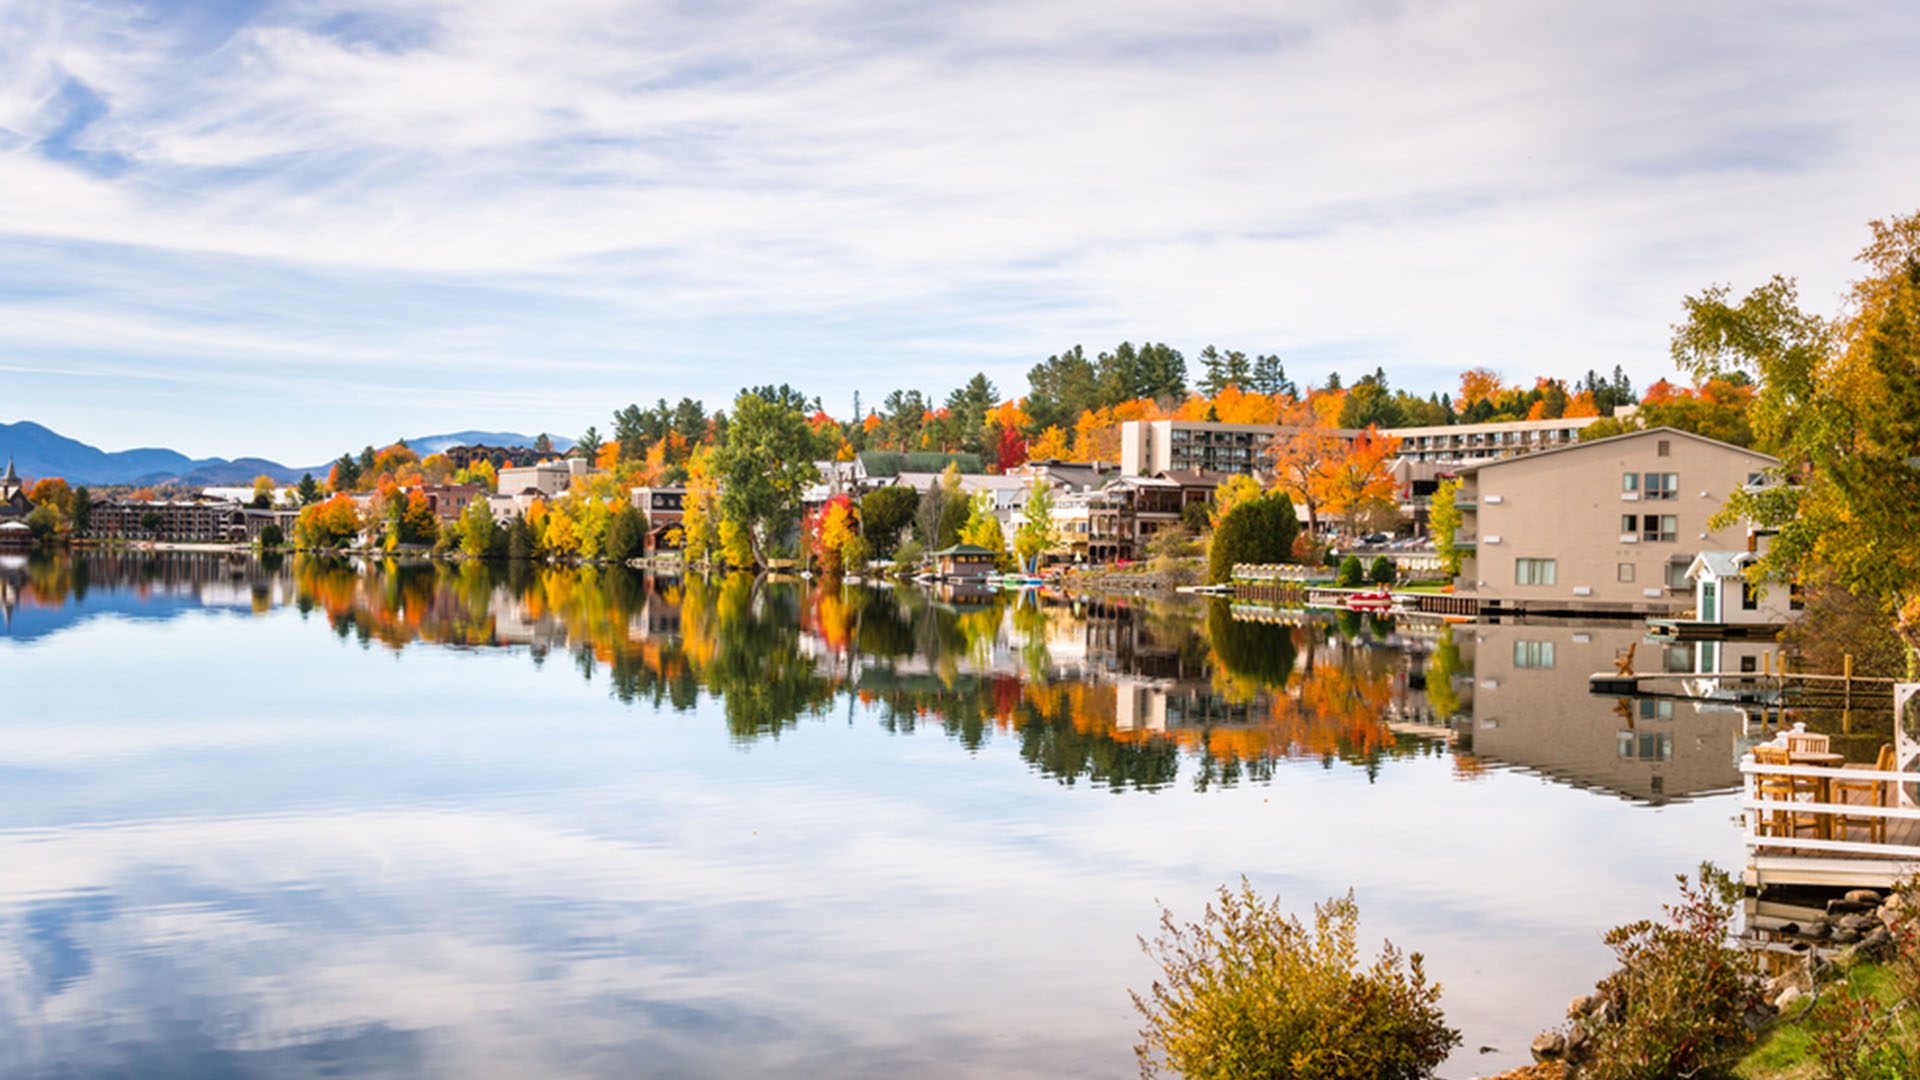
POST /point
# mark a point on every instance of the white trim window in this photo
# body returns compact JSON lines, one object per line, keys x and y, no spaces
{"x":1534,"y":571}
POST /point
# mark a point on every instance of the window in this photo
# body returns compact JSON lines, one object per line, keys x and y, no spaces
{"x":1630,"y":481}
{"x":1749,"y":597}
{"x":1629,"y":524}
{"x":1663,"y":528}
{"x":1656,"y":708}
{"x":1677,"y":575}
{"x":1665,"y":449}
{"x":1623,"y":572}
{"x":1660,"y":486}
{"x":1533,"y":654}
{"x":1534,"y":571}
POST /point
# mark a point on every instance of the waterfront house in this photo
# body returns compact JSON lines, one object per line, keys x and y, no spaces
{"x":1608,"y":525}
{"x":190,"y":521}
{"x":964,"y":561}
{"x":1722,"y":594}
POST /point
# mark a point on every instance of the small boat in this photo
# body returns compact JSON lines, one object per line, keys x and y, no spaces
{"x":1377,"y":600}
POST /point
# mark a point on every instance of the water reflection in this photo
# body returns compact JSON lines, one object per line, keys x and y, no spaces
{"x":405,"y":819}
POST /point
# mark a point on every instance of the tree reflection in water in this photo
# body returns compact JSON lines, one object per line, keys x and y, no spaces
{"x":1111,"y":693}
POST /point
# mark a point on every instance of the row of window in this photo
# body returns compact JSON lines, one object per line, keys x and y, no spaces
{"x":1546,"y":572}
{"x":1651,"y":485}
{"x":1652,"y":528}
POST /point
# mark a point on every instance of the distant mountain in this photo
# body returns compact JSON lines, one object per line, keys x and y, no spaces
{"x":433,"y":444}
{"x":37,"y":451}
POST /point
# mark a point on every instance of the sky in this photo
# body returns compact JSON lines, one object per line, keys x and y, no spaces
{"x":287,"y":229}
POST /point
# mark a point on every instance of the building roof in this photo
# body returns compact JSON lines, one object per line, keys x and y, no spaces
{"x":1720,"y":564}
{"x":965,"y":549}
{"x":11,"y":477}
{"x":1193,"y":477}
{"x":881,"y":464}
{"x":1521,"y":459}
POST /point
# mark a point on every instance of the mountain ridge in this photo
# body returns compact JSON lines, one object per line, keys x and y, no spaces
{"x":38,"y":451}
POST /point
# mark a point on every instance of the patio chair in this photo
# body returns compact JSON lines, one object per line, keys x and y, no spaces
{"x":1776,"y":787}
{"x":1873,"y":793}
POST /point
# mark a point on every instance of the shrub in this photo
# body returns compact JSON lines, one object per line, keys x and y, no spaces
{"x":1350,"y":572}
{"x":271,"y":536}
{"x":1250,"y":992}
{"x":1256,"y":531}
{"x":907,"y":556}
{"x":1381,"y":572}
{"x":1677,"y":1005}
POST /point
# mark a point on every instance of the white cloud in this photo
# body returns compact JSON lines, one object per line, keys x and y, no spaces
{"x":876,"y":196}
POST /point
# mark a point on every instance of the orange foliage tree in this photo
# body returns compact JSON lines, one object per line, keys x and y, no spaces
{"x":1357,"y":477}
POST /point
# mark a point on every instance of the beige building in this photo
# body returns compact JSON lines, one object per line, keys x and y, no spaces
{"x":1459,"y":443}
{"x":1152,"y":447}
{"x":1609,"y":524}
{"x":547,"y":478}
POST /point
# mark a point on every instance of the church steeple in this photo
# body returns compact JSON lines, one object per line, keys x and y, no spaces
{"x":12,"y":479}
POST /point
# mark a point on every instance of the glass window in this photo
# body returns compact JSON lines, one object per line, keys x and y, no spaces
{"x":1534,"y":571}
{"x":1629,"y":524}
{"x":1661,"y":528}
{"x":1677,"y":575}
{"x":1533,"y":654}
{"x":1630,"y":481}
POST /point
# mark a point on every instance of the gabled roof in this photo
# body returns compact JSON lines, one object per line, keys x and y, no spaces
{"x":1720,"y":564}
{"x":965,"y":549}
{"x":1482,"y":466}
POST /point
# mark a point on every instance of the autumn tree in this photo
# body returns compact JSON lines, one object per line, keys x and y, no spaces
{"x":836,"y":523}
{"x":1237,"y":489}
{"x":1839,"y":404}
{"x":1358,"y":477}
{"x":328,"y":523}
{"x":1257,"y":531}
{"x":884,"y":512}
{"x":763,"y":470}
{"x":1443,"y":523}
{"x":263,"y":489}
{"x":52,"y":492}
{"x":477,"y":530}
{"x":1301,"y":454}
{"x":700,"y":514}
{"x":1036,"y":534}
{"x":982,"y":528}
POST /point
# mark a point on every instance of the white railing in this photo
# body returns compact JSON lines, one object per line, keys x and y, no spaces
{"x":1755,"y":809}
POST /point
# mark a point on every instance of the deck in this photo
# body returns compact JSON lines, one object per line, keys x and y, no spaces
{"x":1830,"y":838}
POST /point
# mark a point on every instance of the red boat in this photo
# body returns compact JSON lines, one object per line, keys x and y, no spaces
{"x":1378,"y":600}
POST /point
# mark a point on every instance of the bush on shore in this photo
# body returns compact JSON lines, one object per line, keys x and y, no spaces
{"x":1251,"y":992}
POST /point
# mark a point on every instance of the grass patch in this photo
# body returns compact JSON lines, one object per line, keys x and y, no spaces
{"x":1787,"y":1052}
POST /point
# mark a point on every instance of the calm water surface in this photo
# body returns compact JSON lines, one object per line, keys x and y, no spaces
{"x":321,"y":818}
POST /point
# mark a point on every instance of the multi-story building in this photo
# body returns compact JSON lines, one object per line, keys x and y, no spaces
{"x":449,"y":501}
{"x":545,"y":478}
{"x":1152,"y":447}
{"x":664,"y":508}
{"x":1608,"y":524}
{"x":1461,"y":443}
{"x":177,"y":520}
{"x":501,"y":457}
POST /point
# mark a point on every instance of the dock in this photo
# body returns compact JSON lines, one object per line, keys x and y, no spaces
{"x":1863,"y":832}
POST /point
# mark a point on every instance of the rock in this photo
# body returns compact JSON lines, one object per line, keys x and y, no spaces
{"x":1584,"y":1005}
{"x":1863,"y":896}
{"x":1549,"y":1046}
{"x":1788,"y":997}
{"x":1844,"y":936}
{"x":1859,"y":923}
{"x":1815,"y":929}
{"x":1848,"y":907}
{"x":1878,"y":943}
{"x":1579,"y":1041}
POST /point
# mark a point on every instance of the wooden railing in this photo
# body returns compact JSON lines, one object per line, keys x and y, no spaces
{"x":1758,"y":812}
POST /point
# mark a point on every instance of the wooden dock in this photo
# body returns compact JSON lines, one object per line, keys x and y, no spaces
{"x":1864,"y":833}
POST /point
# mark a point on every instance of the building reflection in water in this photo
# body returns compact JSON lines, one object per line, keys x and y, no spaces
{"x":1111,"y":692}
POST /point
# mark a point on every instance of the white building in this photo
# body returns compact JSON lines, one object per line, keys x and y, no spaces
{"x":1722,"y":593}
{"x":546,"y":478}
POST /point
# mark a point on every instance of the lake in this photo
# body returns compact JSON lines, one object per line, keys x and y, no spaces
{"x":303,"y":817}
